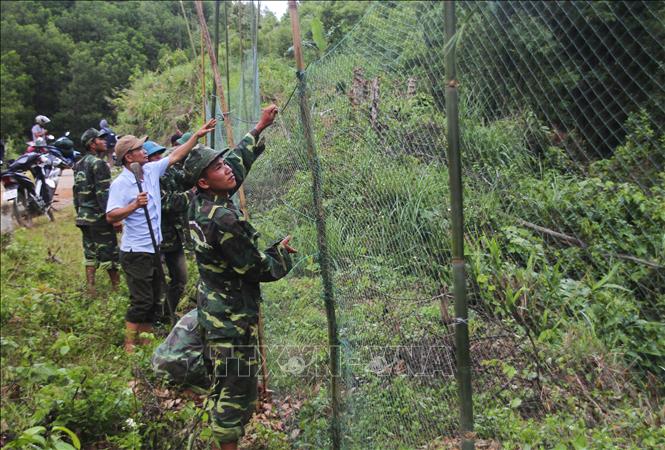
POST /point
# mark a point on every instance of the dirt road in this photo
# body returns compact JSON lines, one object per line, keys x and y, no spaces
{"x":63,"y":195}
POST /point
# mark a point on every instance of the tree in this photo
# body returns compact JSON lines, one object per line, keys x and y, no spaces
{"x":16,"y":86}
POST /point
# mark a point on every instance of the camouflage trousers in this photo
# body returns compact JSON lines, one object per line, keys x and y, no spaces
{"x":100,"y":247}
{"x":233,"y":364}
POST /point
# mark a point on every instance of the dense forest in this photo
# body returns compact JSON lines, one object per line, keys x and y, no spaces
{"x":70,"y":60}
{"x":564,"y":190}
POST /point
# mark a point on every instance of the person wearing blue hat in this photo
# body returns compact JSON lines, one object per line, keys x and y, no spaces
{"x":175,"y":203}
{"x":154,"y":150}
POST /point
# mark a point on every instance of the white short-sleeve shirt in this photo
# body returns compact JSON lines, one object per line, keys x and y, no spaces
{"x":123,"y":191}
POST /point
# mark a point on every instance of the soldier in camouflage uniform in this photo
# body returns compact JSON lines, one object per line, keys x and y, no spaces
{"x":175,"y":202}
{"x":231,"y":267}
{"x":92,"y":178}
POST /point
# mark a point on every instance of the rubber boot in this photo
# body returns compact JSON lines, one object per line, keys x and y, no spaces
{"x":144,"y":328}
{"x":114,"y":275}
{"x":131,"y":336}
{"x":90,"y":280}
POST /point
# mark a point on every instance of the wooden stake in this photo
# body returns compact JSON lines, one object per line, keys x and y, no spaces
{"x":203,"y":80}
{"x":222,"y":99}
{"x":229,"y":140}
{"x":322,"y":242}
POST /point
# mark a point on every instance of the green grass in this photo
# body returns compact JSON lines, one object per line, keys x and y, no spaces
{"x":62,"y":358}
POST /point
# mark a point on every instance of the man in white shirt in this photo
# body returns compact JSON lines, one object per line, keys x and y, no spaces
{"x":137,"y":254}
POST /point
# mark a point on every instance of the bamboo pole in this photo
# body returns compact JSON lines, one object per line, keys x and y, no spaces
{"x":262,"y":338}
{"x":458,"y":263}
{"x":189,"y":31}
{"x":230,"y":142}
{"x":256,"y":104}
{"x":213,"y":107}
{"x":226,"y":49}
{"x":324,"y":258}
{"x":203,"y":80}
{"x":242,"y":105}
{"x":222,"y":98}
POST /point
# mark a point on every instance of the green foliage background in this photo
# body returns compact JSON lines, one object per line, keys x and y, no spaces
{"x":583,"y":365}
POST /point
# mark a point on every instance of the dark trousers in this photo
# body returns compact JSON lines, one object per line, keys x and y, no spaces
{"x":177,"y":267}
{"x":145,"y":286}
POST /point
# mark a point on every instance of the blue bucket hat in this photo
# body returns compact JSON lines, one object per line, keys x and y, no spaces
{"x":152,"y":147}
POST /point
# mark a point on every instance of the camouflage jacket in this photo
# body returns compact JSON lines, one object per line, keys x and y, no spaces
{"x":175,"y":203}
{"x":229,"y":262}
{"x":92,"y":179}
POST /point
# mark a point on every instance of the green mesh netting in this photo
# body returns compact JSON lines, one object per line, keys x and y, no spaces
{"x":563,"y":151}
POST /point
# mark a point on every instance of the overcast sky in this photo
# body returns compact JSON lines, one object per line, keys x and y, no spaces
{"x":279,"y":7}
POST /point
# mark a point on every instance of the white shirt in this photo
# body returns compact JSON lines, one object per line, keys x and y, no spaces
{"x":123,"y":191}
{"x":37,"y":131}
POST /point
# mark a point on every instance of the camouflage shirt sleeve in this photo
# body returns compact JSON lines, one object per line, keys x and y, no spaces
{"x":174,"y":202}
{"x":242,"y":157}
{"x":76,"y":186}
{"x":235,"y":239}
{"x":175,"y":198}
{"x":102,"y":175}
{"x":75,"y":196}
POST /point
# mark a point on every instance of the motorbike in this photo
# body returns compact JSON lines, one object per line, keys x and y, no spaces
{"x":61,"y":156}
{"x":63,"y":148}
{"x":29,"y":199}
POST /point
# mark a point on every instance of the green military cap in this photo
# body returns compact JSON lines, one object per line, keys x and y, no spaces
{"x":90,"y":134}
{"x":184,"y":138}
{"x":198,"y":160}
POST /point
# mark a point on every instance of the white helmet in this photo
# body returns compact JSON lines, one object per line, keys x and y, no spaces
{"x":42,"y":120}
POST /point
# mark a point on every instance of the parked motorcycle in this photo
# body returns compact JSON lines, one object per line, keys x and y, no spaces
{"x":63,"y":148}
{"x":29,"y":199}
{"x":61,"y":156}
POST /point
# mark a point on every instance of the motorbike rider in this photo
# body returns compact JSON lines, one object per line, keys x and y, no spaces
{"x":38,"y":145}
{"x":38,"y":130}
{"x":92,"y":179}
{"x":37,"y":171}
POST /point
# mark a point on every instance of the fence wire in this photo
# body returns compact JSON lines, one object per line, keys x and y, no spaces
{"x":563,"y":153}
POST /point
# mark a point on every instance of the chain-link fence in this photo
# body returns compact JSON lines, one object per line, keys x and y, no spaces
{"x":562,"y":153}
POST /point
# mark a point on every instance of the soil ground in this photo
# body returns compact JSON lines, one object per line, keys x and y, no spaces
{"x":63,"y":195}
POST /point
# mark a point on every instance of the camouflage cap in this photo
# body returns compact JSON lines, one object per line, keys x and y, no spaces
{"x":126,"y":144}
{"x":90,"y":134}
{"x":198,"y":160}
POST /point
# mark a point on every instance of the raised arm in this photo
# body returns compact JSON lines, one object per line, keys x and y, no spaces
{"x":248,"y":149}
{"x":183,"y":150}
